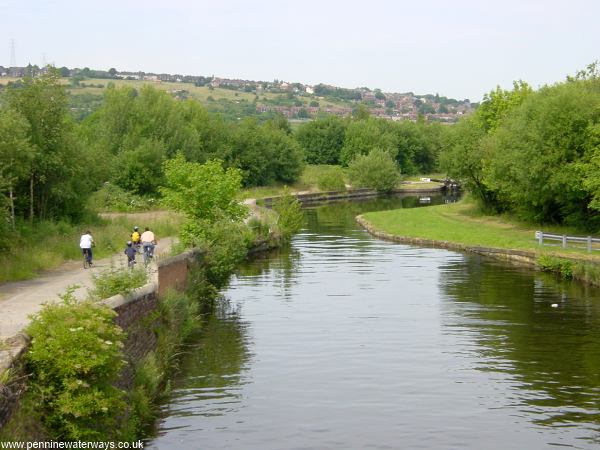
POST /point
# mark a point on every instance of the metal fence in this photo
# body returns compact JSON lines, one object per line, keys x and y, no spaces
{"x":576,"y":241}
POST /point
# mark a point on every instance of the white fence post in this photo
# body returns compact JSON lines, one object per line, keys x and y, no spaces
{"x":564,"y":241}
{"x":589,"y":242}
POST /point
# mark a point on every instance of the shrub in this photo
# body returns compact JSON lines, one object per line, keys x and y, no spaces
{"x":260,"y":229}
{"x":377,"y":170}
{"x":225,"y":242}
{"x":331,"y":179}
{"x":75,"y":358}
{"x":117,"y":281}
{"x":111,"y":197}
{"x":560,"y":266}
{"x":290,"y":215}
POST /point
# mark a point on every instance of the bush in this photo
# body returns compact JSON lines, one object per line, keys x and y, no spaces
{"x":117,"y":281}
{"x":331,"y":179}
{"x":290,"y":215}
{"x":259,"y":228}
{"x":559,"y":266}
{"x":225,"y":242}
{"x":377,"y":170}
{"x":75,"y":358}
{"x":111,"y":197}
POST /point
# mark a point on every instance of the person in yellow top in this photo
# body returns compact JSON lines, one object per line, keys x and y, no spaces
{"x":148,"y":242}
{"x":136,"y":238}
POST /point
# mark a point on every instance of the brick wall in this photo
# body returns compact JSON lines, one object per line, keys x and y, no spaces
{"x":137,"y":314}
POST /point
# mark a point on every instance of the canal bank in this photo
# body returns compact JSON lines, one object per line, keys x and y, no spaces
{"x":137,"y":314}
{"x":459,"y":226}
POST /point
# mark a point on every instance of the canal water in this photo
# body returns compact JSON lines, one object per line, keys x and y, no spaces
{"x":344,"y":341}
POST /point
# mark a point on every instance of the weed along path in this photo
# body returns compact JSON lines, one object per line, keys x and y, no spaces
{"x":20,"y":299}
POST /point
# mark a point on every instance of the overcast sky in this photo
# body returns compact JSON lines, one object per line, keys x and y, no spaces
{"x":457,"y":48}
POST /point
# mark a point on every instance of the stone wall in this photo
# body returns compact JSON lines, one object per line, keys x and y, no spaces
{"x":136,"y":314}
{"x":321,"y":197}
{"x":520,"y":257}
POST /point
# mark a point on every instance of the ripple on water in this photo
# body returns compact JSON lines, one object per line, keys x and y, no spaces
{"x":344,"y":341}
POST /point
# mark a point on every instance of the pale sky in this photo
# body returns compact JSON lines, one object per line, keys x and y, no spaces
{"x":457,"y":48}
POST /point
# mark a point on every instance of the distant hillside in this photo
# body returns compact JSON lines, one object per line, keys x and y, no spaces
{"x":235,"y":98}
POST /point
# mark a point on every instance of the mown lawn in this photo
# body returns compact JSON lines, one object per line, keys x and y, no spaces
{"x":463,"y":223}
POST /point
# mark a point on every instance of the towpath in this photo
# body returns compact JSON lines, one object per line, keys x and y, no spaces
{"x":20,"y":299}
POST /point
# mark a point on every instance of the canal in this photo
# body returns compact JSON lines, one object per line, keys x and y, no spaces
{"x":344,"y":341}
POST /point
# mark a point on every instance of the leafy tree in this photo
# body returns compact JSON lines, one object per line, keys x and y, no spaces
{"x":287,"y":160}
{"x":322,"y":139}
{"x":138,"y":169}
{"x":206,"y":192}
{"x":377,"y":170}
{"x":364,"y":135}
{"x":498,"y":103}
{"x":361,"y":112}
{"x":112,"y":72}
{"x":290,"y":215}
{"x":303,"y":113}
{"x":465,"y":158}
{"x":56,"y":179}
{"x":16,"y":154}
{"x":426,"y":108}
{"x":536,"y":154}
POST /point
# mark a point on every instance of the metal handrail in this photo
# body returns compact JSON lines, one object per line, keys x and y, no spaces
{"x":589,"y":240}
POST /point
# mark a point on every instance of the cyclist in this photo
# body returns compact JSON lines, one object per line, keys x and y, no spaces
{"x":86,"y":242}
{"x":135,"y":238}
{"x":148,"y":242}
{"x":130,"y":251}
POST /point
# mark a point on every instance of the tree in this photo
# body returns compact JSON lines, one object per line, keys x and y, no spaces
{"x":42,"y":102}
{"x":322,"y":139}
{"x":536,"y":155}
{"x":377,"y":170}
{"x":205,"y":192}
{"x":498,"y":103}
{"x":112,"y":72}
{"x":363,"y":135}
{"x":361,"y":112}
{"x":138,"y":169}
{"x":16,"y":154}
{"x":465,"y":158}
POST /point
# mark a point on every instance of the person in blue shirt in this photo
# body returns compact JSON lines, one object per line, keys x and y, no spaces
{"x":130,"y":251}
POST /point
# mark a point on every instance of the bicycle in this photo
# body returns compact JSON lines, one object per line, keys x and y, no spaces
{"x":148,"y":252}
{"x":87,"y":258}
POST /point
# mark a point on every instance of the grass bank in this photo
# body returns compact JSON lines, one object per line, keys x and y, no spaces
{"x":463,"y":226}
{"x":463,"y":223}
{"x":47,"y":245}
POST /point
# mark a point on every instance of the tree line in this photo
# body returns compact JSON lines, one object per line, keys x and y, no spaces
{"x":534,"y":153}
{"x":51,"y":164}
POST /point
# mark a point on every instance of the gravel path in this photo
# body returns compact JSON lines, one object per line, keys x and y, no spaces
{"x":20,"y":299}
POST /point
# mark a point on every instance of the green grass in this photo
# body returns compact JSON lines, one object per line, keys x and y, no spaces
{"x":47,"y":245}
{"x":307,"y":183}
{"x":463,"y":223}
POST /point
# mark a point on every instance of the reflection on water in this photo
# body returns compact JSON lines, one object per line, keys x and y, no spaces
{"x":343,"y":341}
{"x":542,"y":333}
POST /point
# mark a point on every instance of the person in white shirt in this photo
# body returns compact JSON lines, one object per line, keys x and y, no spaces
{"x":148,"y":242}
{"x":86,"y":242}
